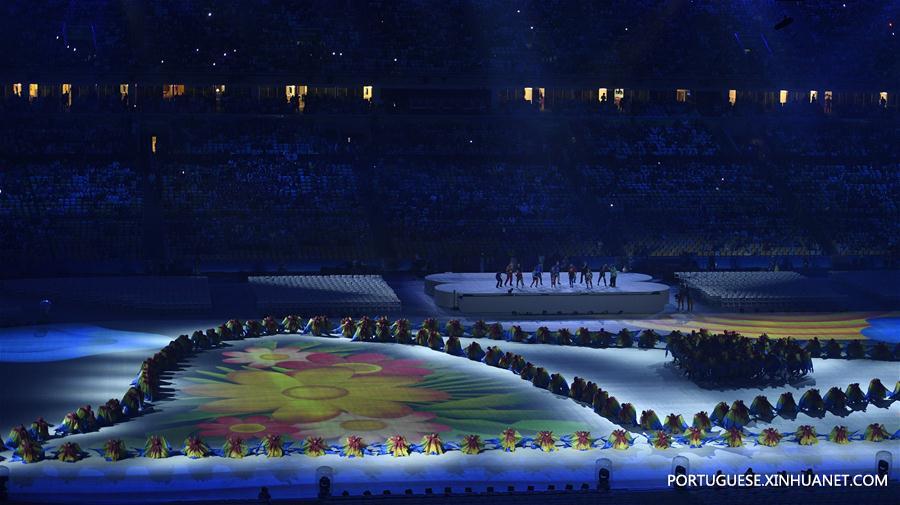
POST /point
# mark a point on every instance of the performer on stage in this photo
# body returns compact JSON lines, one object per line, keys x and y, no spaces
{"x":534,"y":277}
{"x":499,"y":278}
{"x":554,"y":275}
{"x":584,"y":269}
{"x":572,"y":275}
{"x":509,"y":274}
{"x":613,"y":273}
{"x":603,"y":271}
{"x":539,"y":269}
{"x":519,"y":278}
{"x":589,"y":278}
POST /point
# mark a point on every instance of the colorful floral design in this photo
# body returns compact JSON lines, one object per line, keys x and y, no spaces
{"x":248,"y":427}
{"x":546,"y":441}
{"x":273,"y":446}
{"x":156,"y":447}
{"x":806,"y":435}
{"x":114,"y":450}
{"x":432,"y":444}
{"x":581,"y":440}
{"x":509,"y":439}
{"x":354,"y":446}
{"x":839,"y":435}
{"x":235,"y":447}
{"x":620,"y":440}
{"x":313,"y":395}
{"x":334,"y":390}
{"x":314,"y":446}
{"x":769,"y":437}
{"x":661,"y":440}
{"x":472,"y":444}
{"x":361,"y":364}
{"x":265,"y":357}
{"x":876,"y":433}
{"x":398,"y":446}
{"x":414,"y":426}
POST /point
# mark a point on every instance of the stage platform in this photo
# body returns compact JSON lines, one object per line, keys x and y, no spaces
{"x":477,"y":293}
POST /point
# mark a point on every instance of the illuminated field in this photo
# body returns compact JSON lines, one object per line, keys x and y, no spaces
{"x":883,"y":326}
{"x":302,"y":387}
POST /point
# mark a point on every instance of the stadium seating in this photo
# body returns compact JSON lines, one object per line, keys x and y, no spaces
{"x":263,"y":192}
{"x":764,"y":291}
{"x":333,"y":294}
{"x":228,"y":212}
{"x":78,"y":210}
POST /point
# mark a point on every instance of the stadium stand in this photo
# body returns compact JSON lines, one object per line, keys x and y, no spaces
{"x":764,"y":291}
{"x":332,"y":294}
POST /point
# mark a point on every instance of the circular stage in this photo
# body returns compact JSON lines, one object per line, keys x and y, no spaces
{"x":477,"y":293}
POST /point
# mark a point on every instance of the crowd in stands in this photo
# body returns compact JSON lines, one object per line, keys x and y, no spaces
{"x":673,"y":206}
{"x":476,"y":208}
{"x":813,"y":139}
{"x":628,"y":141}
{"x":67,"y":210}
{"x":248,"y":207}
{"x":456,"y":191}
{"x":63,"y":135}
{"x":859,"y":199}
{"x":258,"y":137}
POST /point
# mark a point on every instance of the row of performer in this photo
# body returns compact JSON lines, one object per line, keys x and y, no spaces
{"x":514,"y":270}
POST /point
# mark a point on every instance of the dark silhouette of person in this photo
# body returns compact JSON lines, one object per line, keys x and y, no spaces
{"x":264,"y":496}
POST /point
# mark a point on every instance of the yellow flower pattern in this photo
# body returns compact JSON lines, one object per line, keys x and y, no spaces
{"x":313,"y":395}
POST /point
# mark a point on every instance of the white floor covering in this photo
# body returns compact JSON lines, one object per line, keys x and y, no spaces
{"x":643,"y":378}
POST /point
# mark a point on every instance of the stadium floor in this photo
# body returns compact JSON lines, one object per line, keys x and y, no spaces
{"x":451,"y":395}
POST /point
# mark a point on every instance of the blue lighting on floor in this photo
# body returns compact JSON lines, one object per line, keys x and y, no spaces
{"x":885,"y":329}
{"x":40,"y":344}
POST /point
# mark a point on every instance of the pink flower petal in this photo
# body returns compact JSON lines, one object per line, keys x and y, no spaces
{"x":324,"y":358}
{"x":371,"y":357}
{"x":416,"y":363}
{"x":423,"y":415}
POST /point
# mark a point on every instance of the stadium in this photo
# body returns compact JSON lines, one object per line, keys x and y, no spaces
{"x":471,"y":251}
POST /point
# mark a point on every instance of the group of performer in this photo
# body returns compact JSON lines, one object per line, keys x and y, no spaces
{"x":514,"y":270}
{"x":685,"y":297}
